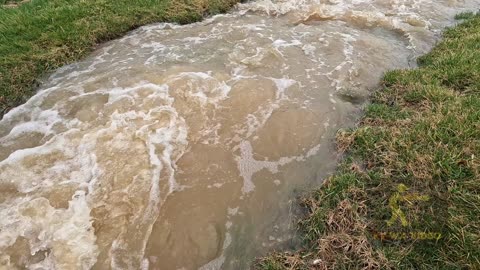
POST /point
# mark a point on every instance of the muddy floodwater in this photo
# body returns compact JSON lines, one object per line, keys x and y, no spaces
{"x":183,"y":147}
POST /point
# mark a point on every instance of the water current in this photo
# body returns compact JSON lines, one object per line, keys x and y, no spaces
{"x":183,"y":147}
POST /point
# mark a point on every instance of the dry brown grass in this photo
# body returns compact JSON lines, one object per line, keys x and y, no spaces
{"x":422,"y":130}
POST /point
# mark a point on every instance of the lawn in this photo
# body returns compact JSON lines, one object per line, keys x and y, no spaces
{"x":414,"y":159}
{"x":38,"y":36}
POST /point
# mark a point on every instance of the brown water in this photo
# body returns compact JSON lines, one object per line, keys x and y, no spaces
{"x":181,"y":147}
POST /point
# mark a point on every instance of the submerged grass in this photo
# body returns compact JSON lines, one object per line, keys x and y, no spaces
{"x":38,"y":36}
{"x":421,"y":132}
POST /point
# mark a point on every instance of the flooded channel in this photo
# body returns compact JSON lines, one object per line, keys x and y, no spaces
{"x":183,"y":147}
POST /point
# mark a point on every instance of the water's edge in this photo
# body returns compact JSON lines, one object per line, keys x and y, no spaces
{"x":181,"y":147}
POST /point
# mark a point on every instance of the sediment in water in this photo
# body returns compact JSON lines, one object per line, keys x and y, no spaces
{"x":179,"y":147}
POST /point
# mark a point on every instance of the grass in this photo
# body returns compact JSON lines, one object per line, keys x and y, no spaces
{"x":38,"y":36}
{"x":422,"y":130}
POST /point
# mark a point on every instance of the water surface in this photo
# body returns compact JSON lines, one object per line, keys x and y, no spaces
{"x":181,"y":147}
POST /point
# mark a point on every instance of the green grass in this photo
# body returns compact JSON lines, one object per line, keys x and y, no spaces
{"x":421,"y":130}
{"x":39,"y":36}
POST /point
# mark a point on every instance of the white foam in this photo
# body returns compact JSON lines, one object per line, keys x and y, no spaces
{"x":59,"y":231}
{"x":248,"y":165}
{"x":194,"y":66}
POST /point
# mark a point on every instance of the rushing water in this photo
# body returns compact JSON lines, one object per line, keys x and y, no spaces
{"x":181,"y":147}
